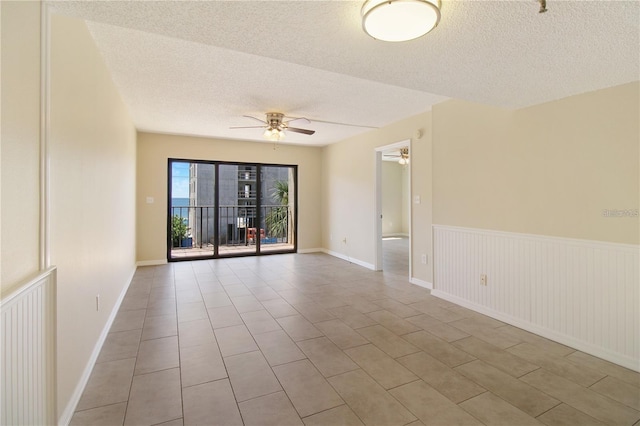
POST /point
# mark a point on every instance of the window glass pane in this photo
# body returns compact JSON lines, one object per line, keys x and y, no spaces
{"x":277,"y":206}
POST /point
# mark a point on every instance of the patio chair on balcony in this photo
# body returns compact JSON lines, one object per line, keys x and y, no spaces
{"x":251,"y":234}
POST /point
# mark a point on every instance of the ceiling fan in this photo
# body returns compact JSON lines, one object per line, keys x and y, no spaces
{"x":403,"y":156}
{"x":275,"y":126}
{"x":276,"y":123}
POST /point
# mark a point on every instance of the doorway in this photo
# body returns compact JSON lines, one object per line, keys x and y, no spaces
{"x":393,"y":208}
{"x":222,"y":209}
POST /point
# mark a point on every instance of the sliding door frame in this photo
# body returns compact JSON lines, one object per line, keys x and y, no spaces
{"x":216,"y":231}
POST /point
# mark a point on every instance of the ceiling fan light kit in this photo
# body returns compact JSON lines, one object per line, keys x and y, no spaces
{"x":399,"y":20}
{"x":404,"y":156}
{"x":274,"y":135}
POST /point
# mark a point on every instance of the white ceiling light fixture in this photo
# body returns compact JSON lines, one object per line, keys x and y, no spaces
{"x":274,"y":134}
{"x":399,"y":20}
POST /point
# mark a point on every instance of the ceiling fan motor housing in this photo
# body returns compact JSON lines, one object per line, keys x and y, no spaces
{"x":274,"y":119}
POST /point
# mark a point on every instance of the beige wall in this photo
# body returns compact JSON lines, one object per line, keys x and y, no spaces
{"x":550,"y":169}
{"x":392,"y":190}
{"x":20,"y":139}
{"x":154,"y":150}
{"x":93,"y":196}
{"x":348,"y":209}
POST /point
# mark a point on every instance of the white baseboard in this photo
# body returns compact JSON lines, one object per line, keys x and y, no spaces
{"x":151,"y":262}
{"x":421,"y":283}
{"x":564,"y":339}
{"x":67,"y":414}
{"x":310,"y":250}
{"x":403,"y":235}
{"x":349,"y":259}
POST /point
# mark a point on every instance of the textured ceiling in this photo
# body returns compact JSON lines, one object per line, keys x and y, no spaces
{"x":195,"y":67}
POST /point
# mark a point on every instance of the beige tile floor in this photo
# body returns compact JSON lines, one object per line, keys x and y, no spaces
{"x":311,"y":339}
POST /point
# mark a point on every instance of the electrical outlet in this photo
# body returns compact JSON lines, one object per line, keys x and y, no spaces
{"x":98,"y":303}
{"x":424,"y":259}
{"x":344,"y":240}
{"x":483,"y":279}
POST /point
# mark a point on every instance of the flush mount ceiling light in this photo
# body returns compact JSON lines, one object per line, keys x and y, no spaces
{"x":399,"y":20}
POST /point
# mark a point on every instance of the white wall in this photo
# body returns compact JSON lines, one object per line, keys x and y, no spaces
{"x":20,"y":139}
{"x":392,"y":198}
{"x":93,"y":160}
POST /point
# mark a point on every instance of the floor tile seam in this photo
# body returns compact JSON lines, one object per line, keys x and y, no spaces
{"x":179,"y":361}
{"x":552,"y":358}
{"x":341,"y":397}
{"x":551,"y":408}
{"x":522,"y":382}
{"x":387,"y":391}
{"x":418,"y":379}
{"x":126,"y":402}
{"x":167,"y":421}
{"x":583,"y":388}
{"x":285,"y":390}
{"x":158,"y":371}
{"x":159,"y":337}
{"x":484,"y":358}
{"x":101,"y":406}
{"x":500,"y":398}
{"x":333,"y":375}
{"x":468,"y":398}
{"x":344,"y":403}
{"x":595,"y":370}
{"x":215,"y":340}
{"x":204,"y":383}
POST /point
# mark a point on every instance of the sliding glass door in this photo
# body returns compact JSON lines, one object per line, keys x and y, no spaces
{"x":220,"y":209}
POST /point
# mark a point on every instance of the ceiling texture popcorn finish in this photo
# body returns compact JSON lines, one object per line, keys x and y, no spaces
{"x":196,"y":67}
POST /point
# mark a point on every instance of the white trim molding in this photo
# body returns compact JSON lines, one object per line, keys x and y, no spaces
{"x":421,"y":283}
{"x":581,"y":293}
{"x":45,"y":119}
{"x":350,"y":259}
{"x":151,"y":262}
{"x":310,"y":250}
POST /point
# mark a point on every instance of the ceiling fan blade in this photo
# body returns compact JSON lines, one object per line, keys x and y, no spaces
{"x":296,"y":119}
{"x":303,"y":131}
{"x":343,"y":124}
{"x":249,"y":116}
{"x":249,"y":127}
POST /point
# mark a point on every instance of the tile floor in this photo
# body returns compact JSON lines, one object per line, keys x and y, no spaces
{"x":314,"y":340}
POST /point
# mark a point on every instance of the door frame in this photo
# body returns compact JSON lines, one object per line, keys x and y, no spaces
{"x":378,"y":203}
{"x":216,"y":164}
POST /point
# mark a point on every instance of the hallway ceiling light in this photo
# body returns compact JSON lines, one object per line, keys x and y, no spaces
{"x":399,"y":20}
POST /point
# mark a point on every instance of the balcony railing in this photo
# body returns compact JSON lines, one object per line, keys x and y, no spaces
{"x":247,"y":194}
{"x":246,"y":175}
{"x":237,"y":226}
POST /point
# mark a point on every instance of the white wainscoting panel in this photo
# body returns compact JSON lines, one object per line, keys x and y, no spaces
{"x":27,"y":367}
{"x":585,"y":294}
